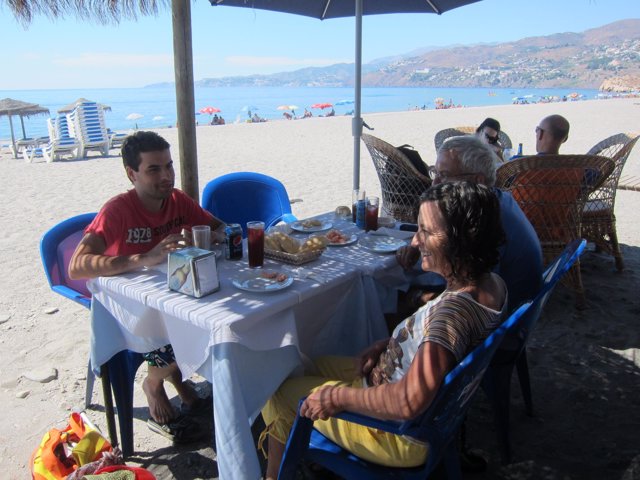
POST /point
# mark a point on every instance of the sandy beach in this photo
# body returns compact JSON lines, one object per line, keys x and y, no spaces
{"x":585,"y":365}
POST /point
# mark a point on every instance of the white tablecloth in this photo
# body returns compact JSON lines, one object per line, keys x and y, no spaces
{"x":246,"y":344}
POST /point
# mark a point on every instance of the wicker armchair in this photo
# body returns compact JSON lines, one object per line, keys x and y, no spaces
{"x":442,"y":135}
{"x":552,"y":191}
{"x":598,"y":217}
{"x":400,"y":182}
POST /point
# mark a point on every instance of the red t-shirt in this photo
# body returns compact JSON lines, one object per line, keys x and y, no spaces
{"x":128,"y":228}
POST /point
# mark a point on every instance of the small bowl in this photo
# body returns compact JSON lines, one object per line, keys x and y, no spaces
{"x":387,"y":222}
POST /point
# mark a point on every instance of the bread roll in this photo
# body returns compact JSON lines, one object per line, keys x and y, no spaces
{"x":314,"y":243}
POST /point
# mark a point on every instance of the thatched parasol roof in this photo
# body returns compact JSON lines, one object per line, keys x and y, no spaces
{"x":103,"y":12}
{"x":10,"y":107}
{"x":71,"y":106}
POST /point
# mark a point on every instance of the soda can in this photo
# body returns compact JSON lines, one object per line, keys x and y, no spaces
{"x":233,"y":241}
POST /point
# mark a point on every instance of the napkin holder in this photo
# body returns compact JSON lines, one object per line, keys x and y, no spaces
{"x":193,"y":271}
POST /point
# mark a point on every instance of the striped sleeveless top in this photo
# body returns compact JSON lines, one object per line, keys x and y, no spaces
{"x":453,"y":320}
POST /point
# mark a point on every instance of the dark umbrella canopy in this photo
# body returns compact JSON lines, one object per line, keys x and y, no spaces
{"x":10,"y":107}
{"x":323,"y":9}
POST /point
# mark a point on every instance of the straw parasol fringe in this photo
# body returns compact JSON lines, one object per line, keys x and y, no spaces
{"x":110,"y":11}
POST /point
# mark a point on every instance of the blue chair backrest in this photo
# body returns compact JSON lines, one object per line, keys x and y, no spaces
{"x":444,"y":416}
{"x":550,"y":277}
{"x":56,"y":248}
{"x":245,"y":196}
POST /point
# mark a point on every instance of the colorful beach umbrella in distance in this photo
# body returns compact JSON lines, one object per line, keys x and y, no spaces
{"x":293,"y":108}
{"x":210,"y":110}
{"x":322,"y":106}
{"x":133,"y":117}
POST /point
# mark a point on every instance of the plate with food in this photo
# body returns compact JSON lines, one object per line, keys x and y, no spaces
{"x":311,"y":225}
{"x":381,"y":243}
{"x":340,"y":239}
{"x":261,"y":281}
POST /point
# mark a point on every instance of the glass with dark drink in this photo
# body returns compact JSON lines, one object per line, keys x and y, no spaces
{"x":255,"y":241}
{"x":371,"y":214}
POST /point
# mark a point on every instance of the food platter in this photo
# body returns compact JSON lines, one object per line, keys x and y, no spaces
{"x":302,"y":227}
{"x":350,"y":241}
{"x":257,"y":281}
{"x":381,"y":243}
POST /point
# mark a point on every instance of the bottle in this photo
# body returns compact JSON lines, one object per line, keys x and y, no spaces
{"x":519,"y":150}
{"x":361,"y":209}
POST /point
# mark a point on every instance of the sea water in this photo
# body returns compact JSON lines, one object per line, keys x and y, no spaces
{"x":157,"y":105}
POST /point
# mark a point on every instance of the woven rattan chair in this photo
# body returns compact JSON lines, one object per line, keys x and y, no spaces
{"x":442,"y":135}
{"x":400,"y":182}
{"x":598,"y":217}
{"x":552,"y":191}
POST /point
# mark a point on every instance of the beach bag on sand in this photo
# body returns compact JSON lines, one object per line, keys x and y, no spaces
{"x":415,"y":158}
{"x":62,"y":451}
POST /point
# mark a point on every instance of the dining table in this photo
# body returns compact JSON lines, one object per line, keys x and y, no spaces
{"x":247,"y":341}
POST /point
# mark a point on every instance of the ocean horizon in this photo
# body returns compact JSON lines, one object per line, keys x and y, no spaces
{"x":156,"y":106}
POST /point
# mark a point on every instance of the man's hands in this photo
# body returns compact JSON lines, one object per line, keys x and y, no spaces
{"x":168,"y":244}
{"x":407,"y":256}
{"x":320,"y":405}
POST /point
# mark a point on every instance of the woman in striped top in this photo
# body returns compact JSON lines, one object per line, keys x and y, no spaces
{"x":459,"y":232}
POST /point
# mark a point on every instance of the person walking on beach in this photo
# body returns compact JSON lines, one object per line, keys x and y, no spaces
{"x":138,"y":229}
{"x":551,"y":133}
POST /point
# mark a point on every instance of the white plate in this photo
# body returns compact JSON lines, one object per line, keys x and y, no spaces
{"x":381,"y":243}
{"x":350,"y":241}
{"x":255,"y":282}
{"x":300,"y":228}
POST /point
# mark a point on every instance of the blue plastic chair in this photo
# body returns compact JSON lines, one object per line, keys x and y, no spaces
{"x":56,"y":248}
{"x":245,"y":196}
{"x":437,"y":426}
{"x":513,"y":351}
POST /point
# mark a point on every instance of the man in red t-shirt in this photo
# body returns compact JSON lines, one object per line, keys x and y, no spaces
{"x":138,"y":229}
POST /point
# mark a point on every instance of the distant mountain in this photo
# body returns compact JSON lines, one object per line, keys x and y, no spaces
{"x":561,"y":60}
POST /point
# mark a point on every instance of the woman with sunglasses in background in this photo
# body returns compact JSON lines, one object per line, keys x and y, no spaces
{"x":488,"y":132}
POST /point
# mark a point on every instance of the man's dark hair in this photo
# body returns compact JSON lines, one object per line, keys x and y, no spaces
{"x":491,"y":123}
{"x":473,"y":226}
{"x":141,"y":142}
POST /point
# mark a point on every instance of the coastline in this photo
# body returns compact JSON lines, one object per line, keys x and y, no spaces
{"x":577,"y":358}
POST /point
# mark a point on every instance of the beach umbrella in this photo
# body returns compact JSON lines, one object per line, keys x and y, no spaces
{"x":293,"y":108}
{"x":210,"y":110}
{"x":133,"y":117}
{"x":322,"y":106}
{"x":10,"y":108}
{"x":69,"y":108}
{"x":325,"y":9}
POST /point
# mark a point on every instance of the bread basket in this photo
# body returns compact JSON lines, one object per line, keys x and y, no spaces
{"x":293,"y":258}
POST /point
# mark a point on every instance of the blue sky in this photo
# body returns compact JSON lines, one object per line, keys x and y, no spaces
{"x":240,"y":41}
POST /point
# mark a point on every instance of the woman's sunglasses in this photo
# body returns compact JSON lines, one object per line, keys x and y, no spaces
{"x":490,"y":139}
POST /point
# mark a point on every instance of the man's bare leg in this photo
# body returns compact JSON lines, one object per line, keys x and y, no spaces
{"x":160,"y":407}
{"x":186,"y":393}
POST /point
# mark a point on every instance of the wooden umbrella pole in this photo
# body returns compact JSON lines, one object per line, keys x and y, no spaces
{"x":185,"y":101}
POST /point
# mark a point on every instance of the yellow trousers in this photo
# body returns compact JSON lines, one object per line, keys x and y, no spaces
{"x":367,"y":443}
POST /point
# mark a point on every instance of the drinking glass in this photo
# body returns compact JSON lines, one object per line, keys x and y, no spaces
{"x":371,"y":215}
{"x":354,"y":203}
{"x":201,"y":236}
{"x":255,"y":242}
